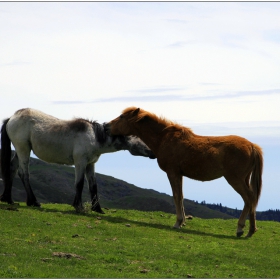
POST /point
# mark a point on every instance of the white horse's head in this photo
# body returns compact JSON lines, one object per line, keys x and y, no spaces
{"x":133,"y":144}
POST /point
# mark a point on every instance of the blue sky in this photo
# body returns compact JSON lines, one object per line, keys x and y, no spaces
{"x":211,"y":66}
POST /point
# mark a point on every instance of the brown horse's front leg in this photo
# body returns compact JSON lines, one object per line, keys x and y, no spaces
{"x":176,"y":182}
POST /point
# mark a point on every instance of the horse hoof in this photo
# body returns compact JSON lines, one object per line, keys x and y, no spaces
{"x":250,"y":233}
{"x":239,"y":234}
{"x":33,"y":204}
{"x":176,"y":226}
{"x":98,"y":209}
{"x":37,"y":204}
{"x":8,"y":200}
{"x":79,"y":209}
{"x":101,"y":211}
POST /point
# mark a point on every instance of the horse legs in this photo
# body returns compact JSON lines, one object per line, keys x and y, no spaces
{"x":176,"y":182}
{"x":243,"y":188}
{"x":90,"y":175}
{"x":23,"y":173}
{"x":79,"y":185}
{"x":252,"y":211}
{"x":7,"y":194}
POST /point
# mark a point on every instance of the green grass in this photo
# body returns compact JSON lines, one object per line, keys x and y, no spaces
{"x":130,"y":244}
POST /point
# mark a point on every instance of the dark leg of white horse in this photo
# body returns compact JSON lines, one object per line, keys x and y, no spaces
{"x":79,"y":185}
{"x":23,"y":173}
{"x":7,"y":194}
{"x":90,"y":175}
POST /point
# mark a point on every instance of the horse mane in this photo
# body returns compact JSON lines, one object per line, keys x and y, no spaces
{"x":99,"y":132}
{"x":80,"y":125}
{"x":167,"y":124}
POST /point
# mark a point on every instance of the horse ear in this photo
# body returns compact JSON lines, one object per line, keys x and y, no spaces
{"x":136,"y":111}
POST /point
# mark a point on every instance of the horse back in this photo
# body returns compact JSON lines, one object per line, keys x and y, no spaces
{"x":205,"y":157}
{"x":51,"y":139}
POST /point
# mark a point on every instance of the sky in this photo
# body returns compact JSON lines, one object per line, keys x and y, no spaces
{"x":210,"y":66}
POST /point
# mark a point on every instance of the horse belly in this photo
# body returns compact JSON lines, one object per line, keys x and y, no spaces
{"x":53,"y":154}
{"x":202,"y":171}
{"x":201,"y":175}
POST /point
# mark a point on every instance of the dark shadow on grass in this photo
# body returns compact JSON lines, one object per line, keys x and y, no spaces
{"x":165,"y":227}
{"x":120,"y":220}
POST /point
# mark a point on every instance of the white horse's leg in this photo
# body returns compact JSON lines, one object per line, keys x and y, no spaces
{"x":23,"y":172}
{"x":176,"y":182}
{"x":90,"y":175}
{"x":79,"y":185}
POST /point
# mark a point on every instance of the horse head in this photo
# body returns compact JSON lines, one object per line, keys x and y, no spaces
{"x":123,"y":125}
{"x":133,"y":144}
{"x":138,"y":148}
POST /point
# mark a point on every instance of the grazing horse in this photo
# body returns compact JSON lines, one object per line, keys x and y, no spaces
{"x":76,"y":142}
{"x":180,"y":153}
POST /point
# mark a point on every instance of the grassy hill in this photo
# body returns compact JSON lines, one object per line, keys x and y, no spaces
{"x":53,"y":183}
{"x":55,"y":242}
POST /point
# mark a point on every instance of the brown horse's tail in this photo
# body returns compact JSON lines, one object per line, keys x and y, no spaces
{"x":256,"y":177}
{"x":6,"y":153}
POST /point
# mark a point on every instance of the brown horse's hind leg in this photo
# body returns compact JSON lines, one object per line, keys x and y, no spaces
{"x":252,"y":211}
{"x":242,"y":187}
{"x":242,"y":220}
{"x":176,"y":183}
{"x":253,"y":228}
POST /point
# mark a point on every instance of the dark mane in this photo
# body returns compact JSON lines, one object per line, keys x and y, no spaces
{"x":167,"y":124}
{"x":78,"y":125}
{"x":81,"y":125}
{"x":99,"y":131}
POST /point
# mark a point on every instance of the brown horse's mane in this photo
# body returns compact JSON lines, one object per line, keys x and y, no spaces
{"x":167,"y":124}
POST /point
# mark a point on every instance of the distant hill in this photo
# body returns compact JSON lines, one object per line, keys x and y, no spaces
{"x":53,"y":183}
{"x":269,"y":215}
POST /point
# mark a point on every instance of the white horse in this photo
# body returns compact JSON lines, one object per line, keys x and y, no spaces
{"x":76,"y":142}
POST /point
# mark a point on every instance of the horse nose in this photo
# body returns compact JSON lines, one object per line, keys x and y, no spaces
{"x":152,"y":155}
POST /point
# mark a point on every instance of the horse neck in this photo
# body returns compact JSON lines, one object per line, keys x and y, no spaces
{"x":150,"y":133}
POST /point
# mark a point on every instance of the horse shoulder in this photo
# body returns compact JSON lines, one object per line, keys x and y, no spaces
{"x":86,"y":144}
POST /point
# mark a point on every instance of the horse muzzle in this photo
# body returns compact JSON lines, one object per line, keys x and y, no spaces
{"x":152,"y":155}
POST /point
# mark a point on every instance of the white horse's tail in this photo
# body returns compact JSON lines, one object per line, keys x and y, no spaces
{"x":6,"y":154}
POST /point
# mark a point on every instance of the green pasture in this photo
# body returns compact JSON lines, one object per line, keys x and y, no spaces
{"x":55,"y":242}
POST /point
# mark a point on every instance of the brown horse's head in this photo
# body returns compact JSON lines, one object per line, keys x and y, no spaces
{"x":123,"y":125}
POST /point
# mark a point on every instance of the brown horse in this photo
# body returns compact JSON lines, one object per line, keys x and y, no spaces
{"x":180,"y":153}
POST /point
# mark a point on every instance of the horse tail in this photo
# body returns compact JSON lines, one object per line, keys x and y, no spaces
{"x":6,"y":153}
{"x":256,"y":177}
